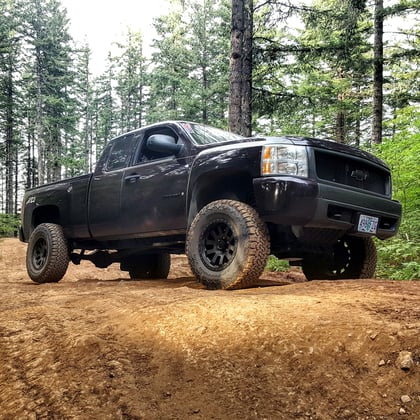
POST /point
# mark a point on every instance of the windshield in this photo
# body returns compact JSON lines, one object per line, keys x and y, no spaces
{"x":204,"y":134}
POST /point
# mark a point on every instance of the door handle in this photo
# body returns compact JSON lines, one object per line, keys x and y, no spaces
{"x":132,"y":179}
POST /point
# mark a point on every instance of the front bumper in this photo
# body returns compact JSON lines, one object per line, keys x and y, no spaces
{"x":293,"y":201}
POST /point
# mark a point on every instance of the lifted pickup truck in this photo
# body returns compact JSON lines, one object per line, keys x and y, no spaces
{"x":225,"y":201}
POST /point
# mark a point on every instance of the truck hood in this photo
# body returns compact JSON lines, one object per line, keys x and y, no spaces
{"x":303,"y":141}
{"x":331,"y":145}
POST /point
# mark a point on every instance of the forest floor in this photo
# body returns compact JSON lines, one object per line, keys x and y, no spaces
{"x":99,"y":346}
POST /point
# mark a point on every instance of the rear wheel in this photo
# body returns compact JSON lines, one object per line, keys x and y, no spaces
{"x":227,"y":245}
{"x":151,"y":266}
{"x":47,"y":256}
{"x":350,"y":258}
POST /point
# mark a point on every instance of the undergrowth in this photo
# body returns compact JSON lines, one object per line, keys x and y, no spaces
{"x":276,"y":265}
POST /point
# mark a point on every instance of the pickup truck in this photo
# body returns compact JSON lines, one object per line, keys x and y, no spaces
{"x":225,"y":201}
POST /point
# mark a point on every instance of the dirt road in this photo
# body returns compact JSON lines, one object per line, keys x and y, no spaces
{"x":99,"y":346}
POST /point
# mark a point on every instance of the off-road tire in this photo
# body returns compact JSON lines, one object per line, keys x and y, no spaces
{"x":151,"y":266}
{"x":350,"y":258}
{"x":227,"y":245}
{"x":47,"y":256}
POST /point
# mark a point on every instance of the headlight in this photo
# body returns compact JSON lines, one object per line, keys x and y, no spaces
{"x":283,"y":159}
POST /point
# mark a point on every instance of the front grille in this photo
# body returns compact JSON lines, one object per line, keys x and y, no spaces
{"x":352,"y":172}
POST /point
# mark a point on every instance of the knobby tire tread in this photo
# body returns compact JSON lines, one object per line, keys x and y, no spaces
{"x":369,"y":264}
{"x":363,"y":269}
{"x":258,"y":245}
{"x":58,"y":258}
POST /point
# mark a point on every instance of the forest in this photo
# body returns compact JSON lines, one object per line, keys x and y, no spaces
{"x":346,"y":70}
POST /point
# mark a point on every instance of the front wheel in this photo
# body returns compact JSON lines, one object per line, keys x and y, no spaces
{"x":227,"y":245}
{"x":47,"y":256}
{"x":350,"y":258}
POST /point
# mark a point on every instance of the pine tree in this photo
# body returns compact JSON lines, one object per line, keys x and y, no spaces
{"x":49,"y":73}
{"x":401,"y":61}
{"x":10,"y":45}
{"x":80,"y":145}
{"x":131,"y":81}
{"x":208,"y":41}
{"x":104,"y":112}
{"x":240,"y":109}
{"x":170,"y":69}
{"x":189,"y":68}
{"x":318,"y":73}
{"x":378,"y":72}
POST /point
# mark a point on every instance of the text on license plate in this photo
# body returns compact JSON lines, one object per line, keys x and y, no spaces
{"x":367,"y":224}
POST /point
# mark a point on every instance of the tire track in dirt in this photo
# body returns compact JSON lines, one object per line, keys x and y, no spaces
{"x":97,"y":345}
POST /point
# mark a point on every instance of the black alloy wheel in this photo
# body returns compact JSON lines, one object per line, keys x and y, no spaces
{"x":218,"y":245}
{"x":227,"y":245}
{"x":350,"y":258}
{"x":47,"y":256}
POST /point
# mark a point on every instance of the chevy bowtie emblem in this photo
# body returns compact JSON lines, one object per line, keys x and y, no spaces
{"x":359,"y":175}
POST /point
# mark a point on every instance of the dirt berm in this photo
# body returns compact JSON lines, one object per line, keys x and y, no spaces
{"x":99,"y":346}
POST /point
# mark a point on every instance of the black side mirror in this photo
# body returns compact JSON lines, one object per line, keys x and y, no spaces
{"x":162,"y":143}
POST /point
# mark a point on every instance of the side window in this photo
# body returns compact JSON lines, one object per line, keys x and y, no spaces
{"x":121,"y":153}
{"x":147,"y":155}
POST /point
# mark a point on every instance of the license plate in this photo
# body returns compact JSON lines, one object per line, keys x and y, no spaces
{"x":367,"y":224}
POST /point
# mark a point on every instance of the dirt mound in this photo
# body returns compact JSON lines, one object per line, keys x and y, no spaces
{"x":99,"y":346}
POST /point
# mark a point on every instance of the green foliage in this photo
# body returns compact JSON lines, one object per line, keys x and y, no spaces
{"x":313,"y":79}
{"x":131,"y":70}
{"x":191,"y":64}
{"x":49,"y":82}
{"x":399,"y":258}
{"x":276,"y":265}
{"x":9,"y":224}
{"x":104,"y":124}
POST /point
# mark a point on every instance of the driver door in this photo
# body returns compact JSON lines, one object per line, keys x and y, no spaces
{"x":153,"y":191}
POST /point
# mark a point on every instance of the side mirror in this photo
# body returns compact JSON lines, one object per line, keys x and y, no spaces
{"x":164,"y":144}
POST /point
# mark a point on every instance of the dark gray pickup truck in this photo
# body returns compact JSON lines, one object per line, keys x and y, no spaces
{"x":225,"y":201}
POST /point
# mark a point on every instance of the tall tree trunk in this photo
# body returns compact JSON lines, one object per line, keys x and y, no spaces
{"x":38,"y":122}
{"x":240,"y":79}
{"x":10,"y":146}
{"x":57,"y":151}
{"x":31,"y":172}
{"x":340,"y":117}
{"x":340,"y":127}
{"x":247,"y":70}
{"x":378,"y":63}
{"x":235,"y":77}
